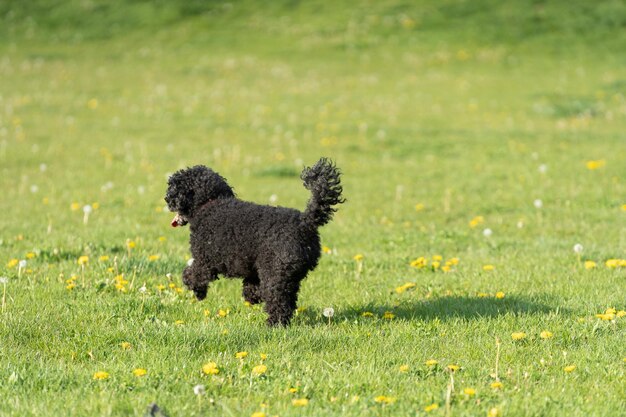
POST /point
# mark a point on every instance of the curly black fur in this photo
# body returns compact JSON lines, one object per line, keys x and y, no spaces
{"x":271,"y":248}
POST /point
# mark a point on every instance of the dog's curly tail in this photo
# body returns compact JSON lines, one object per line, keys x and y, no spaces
{"x":322,"y":179}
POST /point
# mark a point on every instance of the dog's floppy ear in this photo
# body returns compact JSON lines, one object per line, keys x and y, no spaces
{"x":209,"y":185}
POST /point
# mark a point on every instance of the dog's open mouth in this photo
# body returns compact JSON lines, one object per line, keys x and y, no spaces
{"x":178,"y":220}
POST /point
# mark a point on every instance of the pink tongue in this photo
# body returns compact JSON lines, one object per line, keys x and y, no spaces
{"x":174,"y":222}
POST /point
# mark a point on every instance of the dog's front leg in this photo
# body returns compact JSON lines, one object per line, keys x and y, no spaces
{"x":197,"y":277}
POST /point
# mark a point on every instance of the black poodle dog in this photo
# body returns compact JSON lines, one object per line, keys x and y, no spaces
{"x":271,"y":248}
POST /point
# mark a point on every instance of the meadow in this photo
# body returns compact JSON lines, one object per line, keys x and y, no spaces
{"x":476,"y":269}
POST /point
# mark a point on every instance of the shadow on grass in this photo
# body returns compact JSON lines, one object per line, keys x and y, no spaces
{"x":441,"y":308}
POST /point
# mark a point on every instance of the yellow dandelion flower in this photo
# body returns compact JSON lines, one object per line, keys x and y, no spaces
{"x":74,"y":206}
{"x":161,"y":287}
{"x":210,"y":368}
{"x":623,"y":207}
{"x":131,"y":244}
{"x":153,"y":258}
{"x":95,"y":205}
{"x":610,"y":310}
{"x":13,"y":263}
{"x":103,"y":258}
{"x":476,"y":221}
{"x":620,"y":313}
{"x":488,"y":267}
{"x":518,"y":335}
{"x":367,"y":314}
{"x":569,"y":368}
{"x":70,"y":286}
{"x":611,"y":263}
{"x":299,"y":402}
{"x":453,"y":261}
{"x":293,"y":390}
{"x":258,"y":414}
{"x":590,"y":264}
{"x":241,"y":355}
{"x":453,"y":368}
{"x":125,"y":345}
{"x":179,"y":322}
{"x":259,"y":370}
{"x":388,"y":315}
{"x":435,"y":265}
{"x":437,"y":258}
{"x":223,"y":313}
{"x":606,"y":317}
{"x":404,"y":368}
{"x":30,"y":255}
{"x":92,"y":103}
{"x":482,"y":295}
{"x":496,"y":385}
{"x":263,"y":356}
{"x":83,"y":260}
{"x":162,"y":238}
{"x":383,"y":399}
{"x":446,"y":268}
{"x":139,"y":372}
{"x":499,"y":295}
{"x":358,"y":257}
{"x":327,"y":250}
{"x":546,"y":334}
{"x":431,"y":407}
{"x":419,"y":263}
{"x":470,"y":392}
{"x":419,"y":207}
{"x":405,"y":287}
{"x":100,"y":375}
{"x":431,"y":362}
{"x":597,"y":164}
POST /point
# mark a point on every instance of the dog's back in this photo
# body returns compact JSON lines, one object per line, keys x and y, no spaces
{"x":237,"y":237}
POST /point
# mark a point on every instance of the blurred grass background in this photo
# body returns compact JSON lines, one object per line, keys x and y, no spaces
{"x":437,"y":112}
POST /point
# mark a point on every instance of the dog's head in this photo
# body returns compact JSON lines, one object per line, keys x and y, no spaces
{"x":190,"y":188}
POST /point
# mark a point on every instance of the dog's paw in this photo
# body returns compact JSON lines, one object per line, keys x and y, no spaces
{"x":200,"y":293}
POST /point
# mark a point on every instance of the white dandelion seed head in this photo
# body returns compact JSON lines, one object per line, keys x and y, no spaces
{"x":199,"y":389}
{"x":190,"y":262}
{"x":538,"y":203}
{"x":578,"y":248}
{"x":328,"y":312}
{"x":22,"y":264}
{"x":143,"y":289}
{"x":4,"y":280}
{"x":106,"y":187}
{"x":168,"y":275}
{"x":141,"y":189}
{"x":543,"y":168}
{"x":487,"y":232}
{"x":34,"y":188}
{"x":273,"y":198}
{"x":43,"y":167}
{"x":87,"y":209}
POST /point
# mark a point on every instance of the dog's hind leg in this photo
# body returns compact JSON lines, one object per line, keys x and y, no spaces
{"x":280,"y":297}
{"x":251,"y":289}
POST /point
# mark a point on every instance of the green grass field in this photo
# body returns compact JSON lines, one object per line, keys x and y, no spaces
{"x":449,"y":119}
